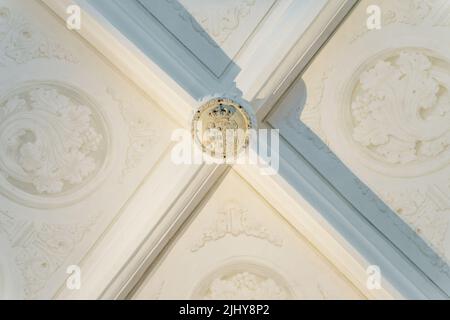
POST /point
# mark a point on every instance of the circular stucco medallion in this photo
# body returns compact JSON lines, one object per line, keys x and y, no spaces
{"x":221,"y":128}
{"x":53,"y":142}
{"x":398,"y":113}
{"x":243,"y":280}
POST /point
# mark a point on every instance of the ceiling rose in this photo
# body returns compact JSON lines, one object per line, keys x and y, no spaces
{"x":221,"y":128}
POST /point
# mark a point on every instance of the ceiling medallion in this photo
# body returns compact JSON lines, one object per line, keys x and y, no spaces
{"x":221,"y":128}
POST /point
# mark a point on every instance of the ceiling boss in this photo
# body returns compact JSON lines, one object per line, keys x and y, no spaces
{"x":221,"y":128}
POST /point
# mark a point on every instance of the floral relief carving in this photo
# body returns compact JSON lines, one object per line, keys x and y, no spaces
{"x":401,"y":108}
{"x":216,"y":20}
{"x":404,"y":96}
{"x":411,"y":12}
{"x":245,"y":286}
{"x":244,"y":278}
{"x":21,"y":42}
{"x":395,"y":117}
{"x":235,"y":222}
{"x":52,"y":139}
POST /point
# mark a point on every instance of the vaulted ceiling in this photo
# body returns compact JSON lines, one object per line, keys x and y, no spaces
{"x":87,"y":178}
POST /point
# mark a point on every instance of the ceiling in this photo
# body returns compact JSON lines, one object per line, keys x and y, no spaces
{"x":362,"y":179}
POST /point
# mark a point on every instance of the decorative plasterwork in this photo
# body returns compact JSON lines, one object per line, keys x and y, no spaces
{"x":244,"y":286}
{"x":386,"y":114}
{"x":407,"y":12}
{"x":416,"y":12}
{"x":38,"y":165}
{"x":221,"y":127}
{"x":244,"y":282}
{"x":417,"y":213}
{"x":400,"y":112}
{"x":235,"y":221}
{"x":427,"y":210}
{"x":21,"y":42}
{"x":213,"y":32}
{"x":311,"y":112}
{"x":248,"y":252}
{"x":53,"y":141}
{"x":39,"y":250}
{"x":142,"y":132}
{"x":57,"y":148}
{"x":214,"y":20}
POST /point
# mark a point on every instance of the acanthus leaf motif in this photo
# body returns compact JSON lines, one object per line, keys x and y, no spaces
{"x":50,"y":139}
{"x":400,"y":109}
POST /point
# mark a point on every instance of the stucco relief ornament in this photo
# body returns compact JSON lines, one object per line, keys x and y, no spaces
{"x":214,"y":20}
{"x":234,"y":221}
{"x":245,"y":279}
{"x":221,"y":128}
{"x":21,"y":41}
{"x":52,"y":140}
{"x":245,"y":285}
{"x":400,"y":111}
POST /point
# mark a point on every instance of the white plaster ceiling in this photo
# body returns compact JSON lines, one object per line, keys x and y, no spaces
{"x":87,"y":179}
